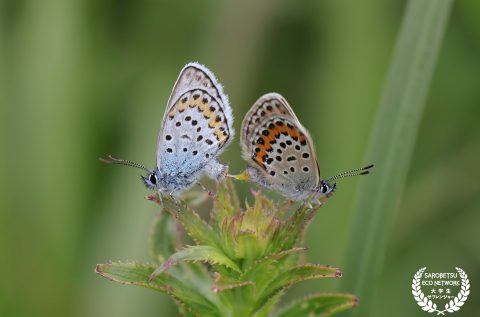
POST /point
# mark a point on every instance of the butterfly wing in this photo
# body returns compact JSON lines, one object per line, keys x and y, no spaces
{"x":197,"y":124}
{"x":279,"y":148}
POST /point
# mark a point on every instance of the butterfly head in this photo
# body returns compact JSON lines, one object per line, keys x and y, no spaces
{"x":326,"y":188}
{"x":151,"y":180}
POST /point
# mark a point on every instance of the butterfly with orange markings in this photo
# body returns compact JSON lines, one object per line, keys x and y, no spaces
{"x":281,"y":154}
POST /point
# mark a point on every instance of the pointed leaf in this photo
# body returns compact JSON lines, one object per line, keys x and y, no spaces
{"x":138,"y":274}
{"x":229,"y":231}
{"x":319,"y":305}
{"x":199,"y":253}
{"x":226,"y":203}
{"x":195,"y":226}
{"x":263,"y":264}
{"x":294,"y":275}
{"x":223,"y":282}
{"x":294,"y":227}
{"x":163,"y":237}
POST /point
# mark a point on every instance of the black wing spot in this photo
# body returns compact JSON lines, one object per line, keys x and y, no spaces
{"x":196,"y":96}
{"x":169,"y":150}
{"x":291,"y":158}
{"x":178,"y":123}
{"x":305,"y":155}
{"x":272,"y":173}
{"x":218,"y":118}
{"x":269,"y":160}
{"x":184,"y":99}
{"x":292,"y":169}
{"x":257,"y":149}
{"x":269,"y":108}
{"x":168,"y":137}
{"x":265,"y":132}
{"x":185,"y":149}
{"x":279,"y":151}
{"x":207,"y":155}
{"x":188,"y":118}
{"x":195,"y":152}
{"x":200,"y":137}
{"x":198,"y":129}
{"x":297,"y":147}
{"x":194,"y":122}
{"x":279,"y":158}
{"x":306,"y":169}
{"x":209,"y":142}
{"x":283,"y":145}
{"x":289,"y":142}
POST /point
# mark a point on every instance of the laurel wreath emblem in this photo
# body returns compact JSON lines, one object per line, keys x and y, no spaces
{"x":429,"y":306}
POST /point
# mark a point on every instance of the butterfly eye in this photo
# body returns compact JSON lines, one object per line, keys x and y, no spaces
{"x":152,"y":178}
{"x":324,"y":188}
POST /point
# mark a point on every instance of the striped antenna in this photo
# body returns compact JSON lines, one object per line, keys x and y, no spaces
{"x":355,"y":172}
{"x":114,"y":160}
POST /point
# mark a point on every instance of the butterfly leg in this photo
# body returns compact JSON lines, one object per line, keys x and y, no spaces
{"x":205,"y":189}
{"x":157,"y":198}
{"x":173,"y":198}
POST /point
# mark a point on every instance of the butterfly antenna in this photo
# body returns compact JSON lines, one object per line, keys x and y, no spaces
{"x":114,"y":160}
{"x":355,"y":172}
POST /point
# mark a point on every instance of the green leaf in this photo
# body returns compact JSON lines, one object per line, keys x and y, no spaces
{"x":392,"y":143}
{"x":262,"y":264}
{"x":226,"y":203}
{"x":223,"y":282}
{"x":195,"y":226}
{"x":163,"y":237}
{"x":319,"y":305}
{"x":285,"y":279}
{"x":199,"y":253}
{"x":130,"y":273}
{"x":294,"y":227}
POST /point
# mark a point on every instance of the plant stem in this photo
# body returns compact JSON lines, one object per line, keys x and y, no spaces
{"x":392,"y":144}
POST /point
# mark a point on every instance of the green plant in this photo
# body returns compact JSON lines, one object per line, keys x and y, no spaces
{"x":241,"y":264}
{"x":392,"y":142}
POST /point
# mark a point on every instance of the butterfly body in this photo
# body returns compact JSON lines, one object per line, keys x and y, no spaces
{"x":196,"y":128}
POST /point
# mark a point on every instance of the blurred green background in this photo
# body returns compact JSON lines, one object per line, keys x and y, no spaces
{"x":82,"y":79}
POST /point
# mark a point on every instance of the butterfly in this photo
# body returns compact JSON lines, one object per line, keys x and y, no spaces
{"x":196,"y":127}
{"x":281,"y":154}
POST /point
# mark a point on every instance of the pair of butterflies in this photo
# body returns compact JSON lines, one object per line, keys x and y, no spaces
{"x":198,"y":125}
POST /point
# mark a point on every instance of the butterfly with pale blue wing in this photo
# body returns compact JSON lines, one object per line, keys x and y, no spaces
{"x":196,"y":127}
